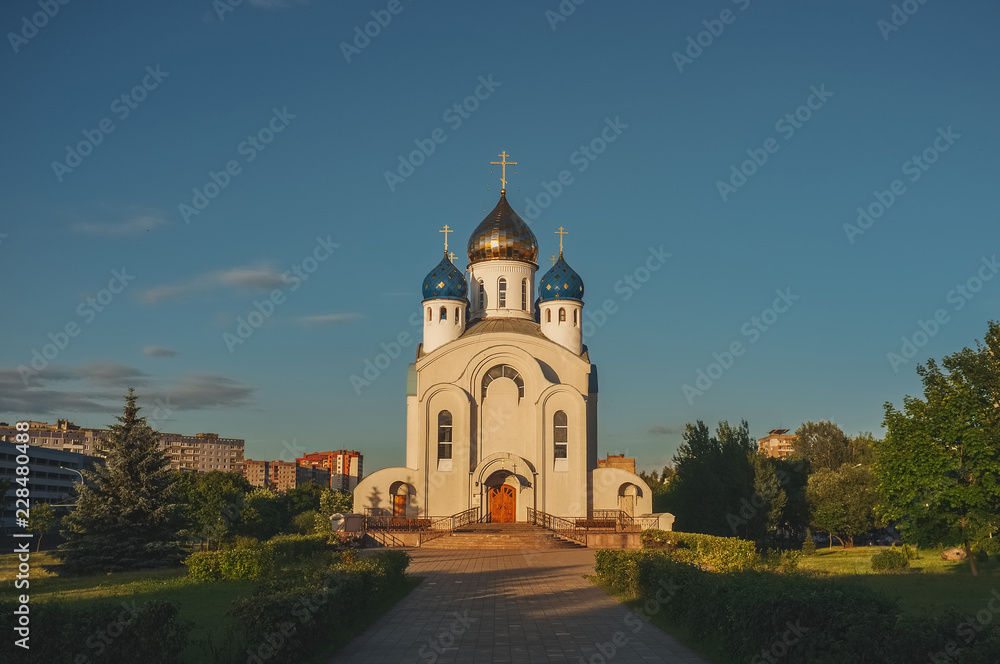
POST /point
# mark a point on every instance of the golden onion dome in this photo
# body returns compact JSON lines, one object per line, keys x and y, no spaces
{"x":502,"y":235}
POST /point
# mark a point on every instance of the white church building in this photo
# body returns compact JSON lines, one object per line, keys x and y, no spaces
{"x":501,"y":401}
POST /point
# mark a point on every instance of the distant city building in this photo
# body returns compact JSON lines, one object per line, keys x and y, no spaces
{"x":51,"y":474}
{"x":340,"y":470}
{"x":345,"y":468}
{"x":777,"y":443}
{"x":618,"y":461}
{"x":201,"y":453}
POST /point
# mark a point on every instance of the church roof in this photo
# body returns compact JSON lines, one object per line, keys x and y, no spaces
{"x":491,"y":325}
{"x":561,"y":282}
{"x":503,"y":234}
{"x":445,"y":282}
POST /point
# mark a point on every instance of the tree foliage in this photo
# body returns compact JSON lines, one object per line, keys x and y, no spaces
{"x":823,"y":445}
{"x":41,"y":518}
{"x":212,"y":503}
{"x":126,"y":517}
{"x":713,"y":475}
{"x":842,"y":501}
{"x":938,"y":468}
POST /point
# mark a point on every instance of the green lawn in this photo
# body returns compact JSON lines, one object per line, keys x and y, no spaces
{"x":205,"y":604}
{"x":932,"y":584}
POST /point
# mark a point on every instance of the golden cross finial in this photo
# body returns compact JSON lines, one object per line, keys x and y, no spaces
{"x":560,"y":233}
{"x":553,"y":259}
{"x":504,"y":163}
{"x":451,"y":255}
{"x":446,"y":231}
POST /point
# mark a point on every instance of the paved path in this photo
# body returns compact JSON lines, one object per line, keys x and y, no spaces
{"x":518,"y":606}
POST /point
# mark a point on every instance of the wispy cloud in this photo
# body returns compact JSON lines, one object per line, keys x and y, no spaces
{"x":141,"y":222}
{"x":660,"y":430}
{"x":330,"y":319}
{"x":99,"y":387}
{"x":158,"y":351}
{"x":256,"y":278}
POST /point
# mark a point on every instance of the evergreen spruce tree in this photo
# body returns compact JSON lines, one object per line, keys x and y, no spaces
{"x":126,"y":517}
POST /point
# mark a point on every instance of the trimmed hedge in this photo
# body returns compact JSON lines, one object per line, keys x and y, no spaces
{"x":761,"y":616}
{"x":255,"y":560}
{"x":150,"y":633}
{"x":721,"y":554}
{"x":293,"y":621}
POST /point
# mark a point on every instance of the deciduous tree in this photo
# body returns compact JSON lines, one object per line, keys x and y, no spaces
{"x":939,"y":464}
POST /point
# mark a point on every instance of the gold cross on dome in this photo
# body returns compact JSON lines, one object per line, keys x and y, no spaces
{"x":553,"y":259}
{"x":451,"y":255}
{"x":503,"y":163}
{"x":560,"y":233}
{"x":446,"y":231}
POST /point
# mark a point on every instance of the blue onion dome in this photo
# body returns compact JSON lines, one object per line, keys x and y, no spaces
{"x":502,"y":234}
{"x":445,"y":282}
{"x":561,"y":282}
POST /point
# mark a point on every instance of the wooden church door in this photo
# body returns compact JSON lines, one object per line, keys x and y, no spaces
{"x":503,"y":502}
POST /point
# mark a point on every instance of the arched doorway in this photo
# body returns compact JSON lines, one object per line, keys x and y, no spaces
{"x":501,"y":497}
{"x":627,"y":494}
{"x":400,"y":492}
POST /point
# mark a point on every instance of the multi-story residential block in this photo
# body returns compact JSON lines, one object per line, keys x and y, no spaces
{"x":201,"y":453}
{"x":340,"y":470}
{"x":778,"y":443}
{"x":345,"y":467}
{"x":51,"y":474}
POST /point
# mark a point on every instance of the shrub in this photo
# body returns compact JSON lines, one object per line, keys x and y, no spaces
{"x":890,"y":560}
{"x":291,"y":619}
{"x":722,"y":554}
{"x":744,"y":614}
{"x":808,"y":545}
{"x":150,"y":633}
{"x":257,"y":560}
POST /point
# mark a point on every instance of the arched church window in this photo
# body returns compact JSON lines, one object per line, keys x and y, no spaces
{"x":502,"y":288}
{"x":482,"y":295}
{"x":548,"y":316}
{"x":503,"y":371}
{"x":456,"y":315}
{"x":430,"y":316}
{"x":444,"y":435}
{"x":562,"y":315}
{"x":560,"y":433}
{"x":444,"y":313}
{"x":574,"y":318}
{"x":524,"y":294}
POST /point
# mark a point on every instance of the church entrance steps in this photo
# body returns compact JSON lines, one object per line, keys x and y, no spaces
{"x":500,"y":536}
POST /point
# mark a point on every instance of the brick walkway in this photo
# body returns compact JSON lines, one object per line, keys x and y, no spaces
{"x":519,"y":606}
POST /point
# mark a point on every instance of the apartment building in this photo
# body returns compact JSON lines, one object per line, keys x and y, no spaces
{"x":201,"y":453}
{"x":778,"y":443}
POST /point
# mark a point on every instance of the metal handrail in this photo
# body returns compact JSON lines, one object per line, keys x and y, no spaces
{"x":562,"y":527}
{"x":448,"y":524}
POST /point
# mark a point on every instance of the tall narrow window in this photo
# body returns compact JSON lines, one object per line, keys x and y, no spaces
{"x":456,"y":316}
{"x":502,"y":288}
{"x":444,"y":435}
{"x":548,"y":316}
{"x":574,"y":318}
{"x":562,"y":315}
{"x":430,"y":316}
{"x":560,"y":433}
{"x":444,"y":313}
{"x":482,"y":295}
{"x":524,"y":294}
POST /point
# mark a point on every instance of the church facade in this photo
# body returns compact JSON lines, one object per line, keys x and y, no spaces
{"x":501,"y":401}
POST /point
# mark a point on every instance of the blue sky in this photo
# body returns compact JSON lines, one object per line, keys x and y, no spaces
{"x":863,"y":96}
